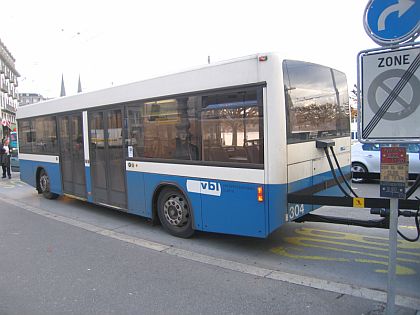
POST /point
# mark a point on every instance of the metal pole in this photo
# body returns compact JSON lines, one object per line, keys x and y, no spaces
{"x":393,"y":238}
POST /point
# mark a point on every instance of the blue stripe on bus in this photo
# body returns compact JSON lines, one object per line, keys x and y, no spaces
{"x":219,"y":206}
{"x":28,"y":170}
{"x":317,"y":179}
{"x":314,"y":180}
{"x":278,"y":197}
{"x":135,"y":193}
{"x":235,"y":211}
{"x":154,"y":180}
{"x":89,"y":194}
{"x":277,"y":203}
{"x":212,"y":213}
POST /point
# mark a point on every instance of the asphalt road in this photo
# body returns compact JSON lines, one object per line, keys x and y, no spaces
{"x":50,"y":266}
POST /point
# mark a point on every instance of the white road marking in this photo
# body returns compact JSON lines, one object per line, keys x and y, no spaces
{"x":337,"y":287}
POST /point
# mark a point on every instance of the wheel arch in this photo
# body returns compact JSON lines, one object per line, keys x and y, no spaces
{"x":37,"y":174}
{"x":159,"y":188}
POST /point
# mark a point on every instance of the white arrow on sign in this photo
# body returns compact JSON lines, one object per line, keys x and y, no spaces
{"x":402,"y":6}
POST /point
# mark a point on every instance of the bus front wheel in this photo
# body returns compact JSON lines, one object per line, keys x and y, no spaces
{"x":175,"y":213}
{"x":44,"y":185}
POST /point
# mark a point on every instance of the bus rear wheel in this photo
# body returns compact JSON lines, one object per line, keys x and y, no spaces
{"x":175,"y":213}
{"x":44,"y":185}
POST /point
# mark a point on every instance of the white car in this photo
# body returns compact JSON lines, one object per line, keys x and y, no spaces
{"x":366,"y":158}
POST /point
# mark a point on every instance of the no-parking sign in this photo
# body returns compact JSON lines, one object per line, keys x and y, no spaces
{"x":389,"y":101}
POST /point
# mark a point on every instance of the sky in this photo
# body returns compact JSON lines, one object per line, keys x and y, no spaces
{"x":110,"y":43}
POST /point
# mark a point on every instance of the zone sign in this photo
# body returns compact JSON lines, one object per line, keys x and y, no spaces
{"x":394,"y":61}
{"x":390,"y":97}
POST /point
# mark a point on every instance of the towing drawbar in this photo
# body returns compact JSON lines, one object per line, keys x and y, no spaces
{"x":378,"y":206}
{"x":351,"y":202}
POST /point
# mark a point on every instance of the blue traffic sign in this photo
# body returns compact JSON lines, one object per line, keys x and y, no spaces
{"x":390,"y":22}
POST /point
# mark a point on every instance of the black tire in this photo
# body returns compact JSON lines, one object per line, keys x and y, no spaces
{"x":44,"y":185}
{"x":175,"y":213}
{"x":358,"y":167}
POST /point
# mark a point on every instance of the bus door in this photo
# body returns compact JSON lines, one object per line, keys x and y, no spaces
{"x":72,"y":155}
{"x":107,"y":157}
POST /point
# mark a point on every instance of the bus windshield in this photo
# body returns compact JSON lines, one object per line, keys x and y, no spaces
{"x":317,"y":102}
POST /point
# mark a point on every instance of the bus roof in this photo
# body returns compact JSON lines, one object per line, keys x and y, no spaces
{"x":234,"y":72}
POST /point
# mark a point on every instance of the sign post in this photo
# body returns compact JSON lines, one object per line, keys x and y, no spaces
{"x":394,"y":174}
{"x":389,"y":102}
{"x":392,"y":255}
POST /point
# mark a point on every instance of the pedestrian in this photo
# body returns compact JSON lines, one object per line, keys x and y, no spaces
{"x":5,"y":158}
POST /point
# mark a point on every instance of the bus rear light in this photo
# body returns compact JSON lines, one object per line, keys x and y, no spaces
{"x":260,"y":194}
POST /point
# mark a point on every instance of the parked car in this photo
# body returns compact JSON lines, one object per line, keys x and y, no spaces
{"x":367,"y":158}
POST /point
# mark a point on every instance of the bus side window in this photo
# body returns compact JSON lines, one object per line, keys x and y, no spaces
{"x":252,"y":148}
{"x":232,"y":126}
{"x":136,"y":129}
{"x":164,"y":129}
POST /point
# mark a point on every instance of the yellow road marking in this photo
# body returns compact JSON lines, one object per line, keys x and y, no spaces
{"x":400,"y":270}
{"x":282,"y":251}
{"x":411,"y":227}
{"x":349,"y":243}
{"x":402,"y":244}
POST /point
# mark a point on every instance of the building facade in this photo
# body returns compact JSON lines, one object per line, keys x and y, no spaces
{"x":30,"y":98}
{"x":8,"y":91}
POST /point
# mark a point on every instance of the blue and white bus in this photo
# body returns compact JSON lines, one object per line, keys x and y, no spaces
{"x":216,"y":148}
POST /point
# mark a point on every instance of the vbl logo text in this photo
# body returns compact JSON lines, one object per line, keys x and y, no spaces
{"x":210,"y":186}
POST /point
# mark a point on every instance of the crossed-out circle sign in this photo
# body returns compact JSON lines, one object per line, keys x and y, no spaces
{"x":386,"y":81}
{"x":390,"y":98}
